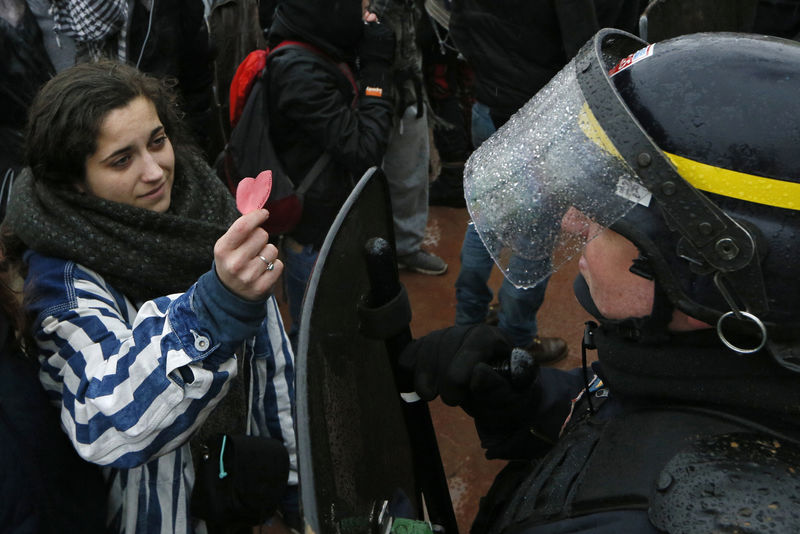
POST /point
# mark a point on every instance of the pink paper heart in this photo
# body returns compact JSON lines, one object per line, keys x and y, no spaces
{"x":252,"y":193}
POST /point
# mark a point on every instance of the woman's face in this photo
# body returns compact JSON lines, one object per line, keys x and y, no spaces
{"x":134,"y":163}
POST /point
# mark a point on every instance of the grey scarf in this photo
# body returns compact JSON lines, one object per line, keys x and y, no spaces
{"x":142,"y":253}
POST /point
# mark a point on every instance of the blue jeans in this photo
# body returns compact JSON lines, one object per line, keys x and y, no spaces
{"x":518,"y":307}
{"x":297,"y":271}
{"x":482,"y":124}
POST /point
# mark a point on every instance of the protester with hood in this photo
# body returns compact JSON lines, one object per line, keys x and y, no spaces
{"x":336,"y":99}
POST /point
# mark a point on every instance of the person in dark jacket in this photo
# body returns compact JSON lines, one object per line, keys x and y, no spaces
{"x":517,"y":47}
{"x":778,"y":17}
{"x":514,"y":50}
{"x":448,"y":79}
{"x":24,"y":67}
{"x":45,"y":487}
{"x":319,"y":103}
{"x":688,"y":233}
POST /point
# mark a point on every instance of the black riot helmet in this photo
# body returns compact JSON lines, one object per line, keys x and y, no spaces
{"x":688,"y":148}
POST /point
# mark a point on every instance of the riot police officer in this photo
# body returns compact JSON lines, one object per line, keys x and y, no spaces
{"x":673,"y":170}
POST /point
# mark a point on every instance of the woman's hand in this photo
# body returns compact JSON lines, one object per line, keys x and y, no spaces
{"x":246,"y":264}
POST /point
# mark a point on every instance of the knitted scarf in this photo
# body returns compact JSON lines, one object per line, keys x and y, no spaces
{"x":140,"y":252}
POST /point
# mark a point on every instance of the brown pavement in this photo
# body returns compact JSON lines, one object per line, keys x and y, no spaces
{"x":432,"y":298}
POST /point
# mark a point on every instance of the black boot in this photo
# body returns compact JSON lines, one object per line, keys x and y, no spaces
{"x":448,"y":188}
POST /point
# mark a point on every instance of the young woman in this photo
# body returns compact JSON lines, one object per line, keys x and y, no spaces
{"x":148,"y":294}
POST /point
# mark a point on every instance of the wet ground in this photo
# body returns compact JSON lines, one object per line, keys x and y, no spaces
{"x":432,"y":298}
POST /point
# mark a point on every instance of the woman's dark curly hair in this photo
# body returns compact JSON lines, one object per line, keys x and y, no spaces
{"x":65,"y":117}
{"x":11,"y":308}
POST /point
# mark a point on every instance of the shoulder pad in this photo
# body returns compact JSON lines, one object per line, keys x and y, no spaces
{"x":737,"y":482}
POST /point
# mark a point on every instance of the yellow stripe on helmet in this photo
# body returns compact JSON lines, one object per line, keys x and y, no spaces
{"x":724,"y":182}
{"x":733,"y":184}
{"x":592,"y":129}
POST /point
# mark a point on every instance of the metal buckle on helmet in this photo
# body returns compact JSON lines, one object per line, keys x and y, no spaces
{"x":740,"y":315}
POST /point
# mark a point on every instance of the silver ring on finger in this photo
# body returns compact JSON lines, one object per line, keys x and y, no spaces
{"x":270,"y":265}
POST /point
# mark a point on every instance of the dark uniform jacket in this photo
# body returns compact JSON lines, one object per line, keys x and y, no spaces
{"x":681,"y":437}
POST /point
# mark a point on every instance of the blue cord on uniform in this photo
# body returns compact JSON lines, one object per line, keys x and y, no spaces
{"x":222,"y":473}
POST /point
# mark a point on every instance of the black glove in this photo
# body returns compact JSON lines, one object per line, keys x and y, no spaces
{"x":377,"y":44}
{"x":458,"y":364}
{"x":376,"y":53}
{"x":442,"y":362}
{"x":505,"y":415}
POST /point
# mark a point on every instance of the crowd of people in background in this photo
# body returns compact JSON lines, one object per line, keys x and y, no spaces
{"x":148,"y":307}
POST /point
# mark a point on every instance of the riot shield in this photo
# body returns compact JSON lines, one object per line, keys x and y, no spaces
{"x":362,"y":451}
{"x":663,"y":19}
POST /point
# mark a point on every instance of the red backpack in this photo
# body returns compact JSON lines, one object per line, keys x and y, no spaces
{"x":250,"y":151}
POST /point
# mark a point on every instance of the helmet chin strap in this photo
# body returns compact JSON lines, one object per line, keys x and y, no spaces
{"x":651,"y":329}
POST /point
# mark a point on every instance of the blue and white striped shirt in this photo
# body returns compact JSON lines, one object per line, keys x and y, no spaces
{"x":134,"y":384}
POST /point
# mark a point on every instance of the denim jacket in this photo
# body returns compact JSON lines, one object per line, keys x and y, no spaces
{"x":133,"y":382}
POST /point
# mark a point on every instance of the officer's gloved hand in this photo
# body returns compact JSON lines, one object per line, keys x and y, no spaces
{"x":441,"y":363}
{"x":458,"y":363}
{"x":375,"y":56}
{"x":505,"y":416}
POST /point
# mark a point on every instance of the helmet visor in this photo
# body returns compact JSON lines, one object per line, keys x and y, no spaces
{"x":547,"y":182}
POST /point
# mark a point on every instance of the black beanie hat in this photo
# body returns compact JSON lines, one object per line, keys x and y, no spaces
{"x":335,"y":26}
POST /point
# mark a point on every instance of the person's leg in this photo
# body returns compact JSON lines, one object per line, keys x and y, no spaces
{"x":299,"y":262}
{"x":518,"y":307}
{"x":473,"y":294}
{"x":406,"y":167}
{"x":482,"y":124}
